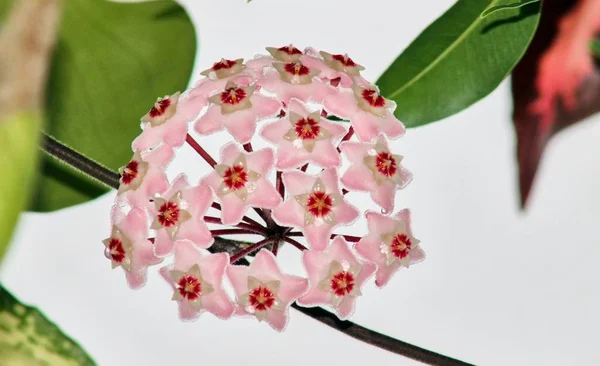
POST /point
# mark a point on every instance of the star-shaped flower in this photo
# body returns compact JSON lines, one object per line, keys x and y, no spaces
{"x":237,"y":108}
{"x":304,"y":137}
{"x":166,"y":122}
{"x":295,"y":80}
{"x":287,"y":53}
{"x":262,"y":290}
{"x":197,"y":277}
{"x":143,"y":177}
{"x":315,"y":206}
{"x":337,"y":69}
{"x":369,"y":112}
{"x":224,"y":69}
{"x":239,"y":182}
{"x":179,"y":214}
{"x":128,"y":245}
{"x":390,"y":244}
{"x":376,"y":170}
{"x":336,"y":278}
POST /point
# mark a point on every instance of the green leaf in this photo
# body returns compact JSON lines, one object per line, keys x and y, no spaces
{"x":494,"y":9}
{"x":595,"y":47}
{"x":28,"y":338}
{"x":459,"y":59}
{"x":19,"y":138}
{"x":111,"y":62}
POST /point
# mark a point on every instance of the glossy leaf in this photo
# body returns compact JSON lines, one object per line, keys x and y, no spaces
{"x":28,"y":338}
{"x":459,"y":59}
{"x":19,"y":151}
{"x":111,"y":62}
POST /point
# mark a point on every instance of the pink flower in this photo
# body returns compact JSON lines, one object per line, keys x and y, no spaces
{"x":224,"y":69}
{"x":128,"y":246}
{"x":143,"y":177}
{"x":336,"y":278}
{"x":304,"y":137}
{"x":179,"y":214}
{"x":315,"y":206}
{"x":295,"y":80}
{"x":263,"y":291}
{"x":390,"y":244}
{"x":337,"y":69}
{"x":376,"y":170}
{"x":286,"y":53}
{"x":196,"y":277}
{"x":238,"y":109}
{"x":166,"y":122}
{"x":239,"y":182}
{"x":367,"y":110}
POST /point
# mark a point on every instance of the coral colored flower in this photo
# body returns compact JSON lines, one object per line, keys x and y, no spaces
{"x":239,"y":182}
{"x":336,"y":278}
{"x":128,"y":246}
{"x":262,"y":290}
{"x":376,"y":170}
{"x":179,"y":214}
{"x":390,"y":244}
{"x":337,"y":69}
{"x":142,"y":178}
{"x":237,"y":108}
{"x":196,"y":277}
{"x":295,"y":80}
{"x":303,"y":137}
{"x":315,"y":205}
{"x":369,"y":112}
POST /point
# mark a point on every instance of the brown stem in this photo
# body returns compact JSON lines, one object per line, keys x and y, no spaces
{"x":279,"y":184}
{"x":287,"y":239}
{"x":232,"y":232}
{"x":304,"y":167}
{"x":350,"y":238}
{"x":241,"y":225}
{"x":203,"y":153}
{"x":217,"y":206}
{"x":347,"y":137}
{"x":254,"y":247}
{"x":248,"y":147}
{"x":275,"y":247}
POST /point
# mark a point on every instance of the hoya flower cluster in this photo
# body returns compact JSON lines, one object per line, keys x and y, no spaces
{"x":307,"y":106}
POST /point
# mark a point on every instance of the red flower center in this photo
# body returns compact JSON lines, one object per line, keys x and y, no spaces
{"x":116,"y":251}
{"x":373,"y":98}
{"x":342,"y":283}
{"x":235,"y":177}
{"x":344,"y":59}
{"x":233,"y":95}
{"x":296,"y":68}
{"x":168,"y":214}
{"x":130,"y":172}
{"x":160,"y":107}
{"x":290,"y":50}
{"x":386,"y":164}
{"x":261,"y":298}
{"x":307,"y":129}
{"x":189,"y":287}
{"x":223,"y":64}
{"x":401,"y":245}
{"x":319,"y":204}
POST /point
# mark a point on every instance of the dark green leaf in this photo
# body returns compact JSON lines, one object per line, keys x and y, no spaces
{"x":457,"y":60}
{"x":111,"y":62}
{"x":595,"y":47}
{"x":28,"y":338}
{"x":494,"y":9}
{"x":19,"y":138}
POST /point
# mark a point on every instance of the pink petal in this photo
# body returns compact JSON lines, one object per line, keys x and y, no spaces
{"x":289,"y":156}
{"x":150,"y":137}
{"x":298,"y":107}
{"x":241,"y":125}
{"x":219,"y":304}
{"x":325,"y":155}
{"x":229,"y":153}
{"x":292,"y":288}
{"x":342,"y":104}
{"x":330,"y":179}
{"x":314,"y":297}
{"x":187,"y":312}
{"x":238,"y":276}
{"x":135,"y":225}
{"x":264,"y":107}
{"x":355,"y":151}
{"x":379,"y":223}
{"x":185,"y":256}
{"x":297,"y":182}
{"x":135,"y":280}
{"x":160,"y":156}
{"x":338,"y":130}
{"x":261,"y":161}
{"x":366,"y":125}
{"x":317,"y":237}
{"x":210,"y":122}
{"x":391,"y":126}
{"x":346,"y":308}
{"x":265,"y":195}
{"x":188,"y":108}
{"x":175,"y":132}
{"x":289,"y":213}
{"x":273,"y":132}
{"x":264,"y":267}
{"x":360,"y":178}
{"x":369,"y":247}
{"x":384,"y":195}
{"x":277,"y":319}
{"x":385,"y":273}
{"x":233,"y":209}
{"x":340,"y":250}
{"x":345,"y":213}
{"x":196,"y":231}
{"x":162,"y":243}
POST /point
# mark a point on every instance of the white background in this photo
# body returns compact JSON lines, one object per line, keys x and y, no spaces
{"x":499,"y":287}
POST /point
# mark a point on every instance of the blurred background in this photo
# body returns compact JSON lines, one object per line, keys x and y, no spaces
{"x":500,"y":286}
